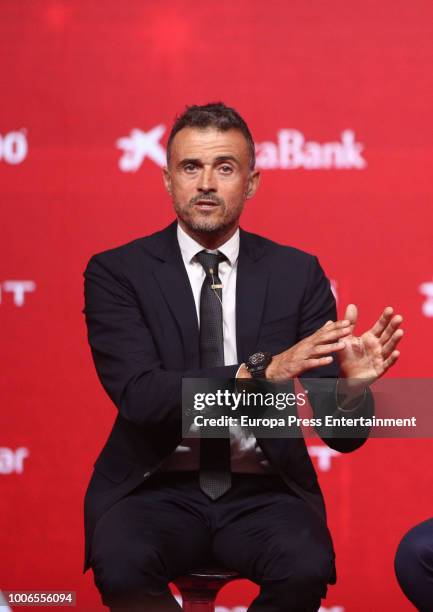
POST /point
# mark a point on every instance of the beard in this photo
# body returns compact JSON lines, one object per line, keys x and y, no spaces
{"x":207,"y":221}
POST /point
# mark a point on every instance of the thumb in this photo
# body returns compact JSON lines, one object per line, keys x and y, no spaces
{"x":351,"y":314}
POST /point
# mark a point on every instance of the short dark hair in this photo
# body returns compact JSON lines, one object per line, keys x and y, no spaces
{"x":216,"y":115}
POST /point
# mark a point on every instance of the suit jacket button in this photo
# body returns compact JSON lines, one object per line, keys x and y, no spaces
{"x":146,"y":475}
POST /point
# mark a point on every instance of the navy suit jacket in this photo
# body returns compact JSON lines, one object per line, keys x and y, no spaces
{"x":144,"y":336}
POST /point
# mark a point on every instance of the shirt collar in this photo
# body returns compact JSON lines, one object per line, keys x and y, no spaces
{"x":190,"y":247}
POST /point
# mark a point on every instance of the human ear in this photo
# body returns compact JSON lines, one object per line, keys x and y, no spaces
{"x":167,"y":179}
{"x":253,"y":183}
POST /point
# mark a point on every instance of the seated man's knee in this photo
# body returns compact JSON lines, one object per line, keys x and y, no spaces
{"x":307,"y":571}
{"x":313,"y":575}
{"x":122,"y":573}
{"x":302,"y":588}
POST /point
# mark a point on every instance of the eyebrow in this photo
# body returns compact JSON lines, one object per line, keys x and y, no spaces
{"x":218,"y":160}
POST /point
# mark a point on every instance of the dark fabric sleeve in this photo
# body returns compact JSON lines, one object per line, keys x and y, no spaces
{"x":319,"y":307}
{"x":125,"y":355}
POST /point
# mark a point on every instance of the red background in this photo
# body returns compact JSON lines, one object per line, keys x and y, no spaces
{"x":76,"y":77}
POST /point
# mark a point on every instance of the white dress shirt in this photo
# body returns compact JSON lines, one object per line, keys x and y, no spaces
{"x":246,"y":455}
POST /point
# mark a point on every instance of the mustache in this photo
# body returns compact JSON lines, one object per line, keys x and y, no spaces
{"x":207,"y":198}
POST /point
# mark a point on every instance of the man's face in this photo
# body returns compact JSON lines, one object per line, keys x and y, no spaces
{"x":209,"y":178}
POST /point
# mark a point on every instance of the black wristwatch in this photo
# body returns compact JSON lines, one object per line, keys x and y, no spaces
{"x":257,"y":364}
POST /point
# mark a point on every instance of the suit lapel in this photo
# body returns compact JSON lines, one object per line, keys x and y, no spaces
{"x":251,"y":289}
{"x":172,"y":278}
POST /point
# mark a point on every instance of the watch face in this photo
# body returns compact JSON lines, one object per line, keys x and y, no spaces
{"x":256,"y":359}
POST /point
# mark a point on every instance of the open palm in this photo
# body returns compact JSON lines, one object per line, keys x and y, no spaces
{"x":370,"y":355}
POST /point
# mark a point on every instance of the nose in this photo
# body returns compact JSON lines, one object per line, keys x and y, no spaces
{"x":206,"y":182}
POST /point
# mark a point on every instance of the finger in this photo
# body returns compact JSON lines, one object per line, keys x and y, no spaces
{"x":351,"y":314}
{"x":382,"y":322}
{"x":325,"y":349}
{"x":391,"y":360}
{"x":392,"y":343}
{"x":394,"y":324}
{"x":332,"y":335}
{"x":335,"y":324}
{"x":317,"y":362}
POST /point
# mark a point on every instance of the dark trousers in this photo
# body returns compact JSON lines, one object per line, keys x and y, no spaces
{"x":414,"y":565}
{"x":168,"y":526}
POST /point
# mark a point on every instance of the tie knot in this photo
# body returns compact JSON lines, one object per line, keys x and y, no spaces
{"x":210,"y":261}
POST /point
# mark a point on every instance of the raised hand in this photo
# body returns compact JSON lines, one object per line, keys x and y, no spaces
{"x":311,"y":352}
{"x":371,"y":354}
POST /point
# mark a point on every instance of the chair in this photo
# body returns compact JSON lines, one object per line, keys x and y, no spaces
{"x":200,"y":588}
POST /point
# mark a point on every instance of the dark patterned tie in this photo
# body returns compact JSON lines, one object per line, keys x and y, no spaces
{"x":215,"y":474}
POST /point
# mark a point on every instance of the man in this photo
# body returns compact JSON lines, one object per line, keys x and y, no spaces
{"x":204,"y":299}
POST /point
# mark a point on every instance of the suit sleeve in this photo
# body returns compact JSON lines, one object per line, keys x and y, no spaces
{"x":124,"y":351}
{"x":319,"y":307}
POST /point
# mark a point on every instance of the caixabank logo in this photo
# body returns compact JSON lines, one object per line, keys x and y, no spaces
{"x":14,"y":147}
{"x":290,"y":150}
